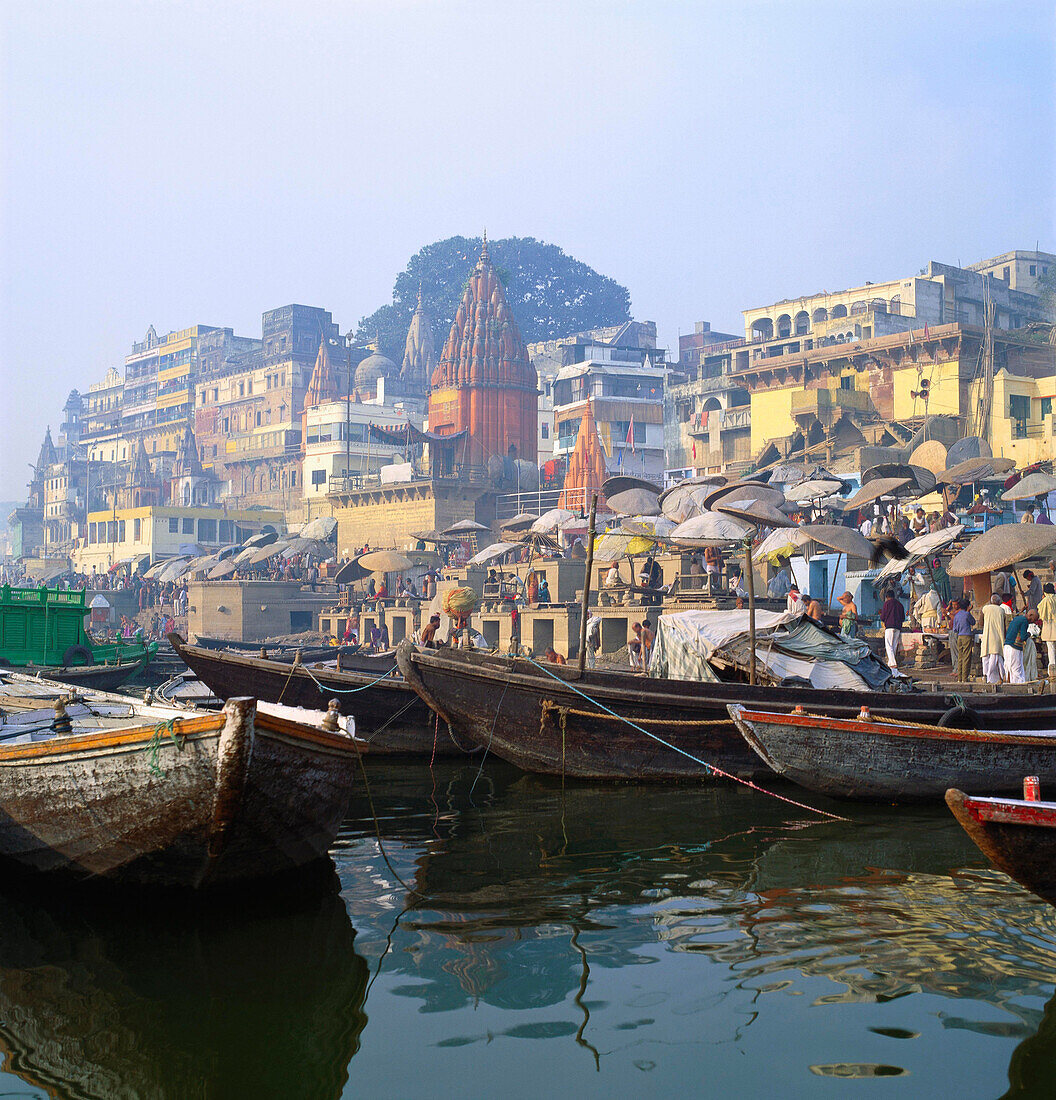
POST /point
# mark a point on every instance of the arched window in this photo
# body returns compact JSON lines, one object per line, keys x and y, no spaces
{"x":860,"y":307}
{"x":895,"y":305}
{"x":763,"y":329}
{"x":839,"y":311}
{"x":784,"y":326}
{"x":802,"y":323}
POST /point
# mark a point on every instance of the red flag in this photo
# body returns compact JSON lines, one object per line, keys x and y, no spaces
{"x":630,"y":434}
{"x":694,"y":450}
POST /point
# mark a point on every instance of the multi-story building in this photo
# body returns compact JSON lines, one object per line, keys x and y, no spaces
{"x":626,"y":384}
{"x":941,"y":294}
{"x":249,"y":405}
{"x":339,"y":446}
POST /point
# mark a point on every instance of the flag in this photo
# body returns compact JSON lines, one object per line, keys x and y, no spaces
{"x":694,"y":450}
{"x":619,"y":459}
{"x":630,"y":434}
{"x":927,"y":335}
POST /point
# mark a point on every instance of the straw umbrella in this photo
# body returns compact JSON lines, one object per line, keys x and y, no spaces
{"x":632,"y":502}
{"x":1003,"y":545}
{"x":1037,"y":484}
{"x":621,"y":482}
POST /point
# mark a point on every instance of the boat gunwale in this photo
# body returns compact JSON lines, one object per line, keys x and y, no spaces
{"x":892,"y":728}
{"x":1010,"y":811}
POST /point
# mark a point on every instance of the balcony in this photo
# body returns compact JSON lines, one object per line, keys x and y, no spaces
{"x":821,"y":403}
{"x":722,"y":420}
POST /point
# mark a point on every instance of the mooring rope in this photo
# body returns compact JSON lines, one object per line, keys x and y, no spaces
{"x":710,"y":769}
{"x":157,"y":740}
{"x":326,"y":690}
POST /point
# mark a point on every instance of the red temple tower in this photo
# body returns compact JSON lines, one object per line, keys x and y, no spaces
{"x":485,"y":382}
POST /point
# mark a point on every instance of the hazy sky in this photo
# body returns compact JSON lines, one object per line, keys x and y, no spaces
{"x":174,"y":163}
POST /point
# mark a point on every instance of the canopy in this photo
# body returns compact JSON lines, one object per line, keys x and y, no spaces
{"x":653,"y":526}
{"x":385,"y":561}
{"x":224,"y":569}
{"x":264,"y":553}
{"x":493,"y":552}
{"x":99,"y":602}
{"x":877,"y":488}
{"x":921,"y":477}
{"x":975,"y":469}
{"x":406,"y":434}
{"x":464,"y":527}
{"x":745,"y":490}
{"x":321,"y":551}
{"x":553,"y":520}
{"x":620,"y":482}
{"x":1004,"y":545}
{"x":844,"y":540}
{"x":634,"y":501}
{"x":265,"y":538}
{"x":971,"y":446}
{"x":710,"y":529}
{"x":759,"y":512}
{"x":788,"y":648}
{"x":815,"y":488}
{"x":1034,"y":485}
{"x":321,"y":528}
{"x":520,"y":522}
{"x":620,"y":544}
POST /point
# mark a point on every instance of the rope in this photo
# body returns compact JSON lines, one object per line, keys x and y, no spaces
{"x":157,"y":740}
{"x":377,"y":832}
{"x":709,"y":769}
{"x":487,"y":748}
{"x":692,"y":723}
{"x":324,"y":690}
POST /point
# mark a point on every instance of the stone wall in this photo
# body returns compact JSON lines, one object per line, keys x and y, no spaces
{"x":251,"y":611}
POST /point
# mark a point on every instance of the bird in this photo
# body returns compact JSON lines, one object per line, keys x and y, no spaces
{"x":887,"y":548}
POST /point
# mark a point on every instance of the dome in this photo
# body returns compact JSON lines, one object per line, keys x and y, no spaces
{"x":372,"y":368}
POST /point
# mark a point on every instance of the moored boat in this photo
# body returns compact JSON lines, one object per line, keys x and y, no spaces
{"x":389,"y":716}
{"x":172,"y":800}
{"x":544,"y":718}
{"x":1018,"y":836}
{"x":874,"y":757}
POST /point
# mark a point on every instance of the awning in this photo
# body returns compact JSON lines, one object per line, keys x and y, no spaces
{"x":406,"y":434}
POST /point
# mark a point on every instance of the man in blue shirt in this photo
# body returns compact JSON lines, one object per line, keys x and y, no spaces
{"x":1015,"y":636}
{"x":962,"y":624}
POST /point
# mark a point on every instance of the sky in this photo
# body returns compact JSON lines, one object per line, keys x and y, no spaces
{"x":173,"y":163}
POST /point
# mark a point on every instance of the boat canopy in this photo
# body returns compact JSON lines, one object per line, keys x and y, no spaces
{"x":790,"y":648}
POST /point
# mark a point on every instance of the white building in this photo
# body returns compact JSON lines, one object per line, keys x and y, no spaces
{"x":337,"y":444}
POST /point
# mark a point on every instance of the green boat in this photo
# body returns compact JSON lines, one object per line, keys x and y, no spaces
{"x":44,"y":629}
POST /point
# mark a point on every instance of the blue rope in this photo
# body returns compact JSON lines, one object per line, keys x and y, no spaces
{"x":709,"y":769}
{"x":348,"y":691}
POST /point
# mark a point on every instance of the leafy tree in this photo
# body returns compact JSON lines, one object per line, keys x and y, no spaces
{"x":550,"y":293}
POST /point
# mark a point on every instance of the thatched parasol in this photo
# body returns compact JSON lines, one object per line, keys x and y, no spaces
{"x":553,"y":520}
{"x":264,"y":553}
{"x":224,"y":569}
{"x":710,"y":529}
{"x":520,"y":522}
{"x":539,"y":541}
{"x":923,"y":546}
{"x":321,"y":528}
{"x":1038,"y":484}
{"x":464,"y":527}
{"x":633,"y":502}
{"x":761,"y":513}
{"x":265,"y":538}
{"x":975,"y":469}
{"x":971,"y":446}
{"x":621,"y":482}
{"x":656,"y":526}
{"x":493,"y":552}
{"x":1004,"y":545}
{"x":922,"y":478}
{"x":880,"y":487}
{"x":815,"y":488}
{"x":385,"y":561}
{"x":621,"y":544}
{"x":745,"y":490}
{"x":844,"y":540}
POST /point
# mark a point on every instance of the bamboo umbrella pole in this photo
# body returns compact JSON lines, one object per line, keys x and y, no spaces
{"x":751,"y":608}
{"x":584,"y":608}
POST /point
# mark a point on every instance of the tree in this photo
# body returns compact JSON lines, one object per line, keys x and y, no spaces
{"x":550,"y":293}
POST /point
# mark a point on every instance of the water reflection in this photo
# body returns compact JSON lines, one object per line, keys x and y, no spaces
{"x":526,"y":892}
{"x":120,"y":1000}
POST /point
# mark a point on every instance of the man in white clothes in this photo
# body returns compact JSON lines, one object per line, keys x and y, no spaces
{"x":992,"y":639}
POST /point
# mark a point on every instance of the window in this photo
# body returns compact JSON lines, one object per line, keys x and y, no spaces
{"x":318,"y":477}
{"x":847,"y":382}
{"x":137,"y":533}
{"x":174,"y":525}
{"x":214,"y":450}
{"x":207,"y":530}
{"x":545,"y":431}
{"x":1005,"y":275}
{"x":227,"y":425}
{"x":548,"y":389}
{"x":241,"y":389}
{"x":226,"y":531}
{"x":188,"y":525}
{"x":293,"y":478}
{"x":1046,"y":406}
{"x":1033,"y":269}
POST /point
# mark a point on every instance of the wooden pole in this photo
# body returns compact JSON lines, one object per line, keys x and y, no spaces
{"x":585,"y":606}
{"x":751,"y":608}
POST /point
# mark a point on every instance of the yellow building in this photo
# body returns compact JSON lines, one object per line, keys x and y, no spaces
{"x":159,"y":531}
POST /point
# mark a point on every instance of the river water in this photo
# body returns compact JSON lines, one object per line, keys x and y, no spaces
{"x":508,"y":936}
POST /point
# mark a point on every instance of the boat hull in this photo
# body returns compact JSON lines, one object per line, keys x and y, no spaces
{"x":217,"y":801}
{"x":544,"y":724}
{"x":1017,"y":837}
{"x":389,"y":715}
{"x":100,"y":677}
{"x":892,"y":761}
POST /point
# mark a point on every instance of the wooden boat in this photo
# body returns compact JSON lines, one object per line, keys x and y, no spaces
{"x":892,"y":760}
{"x":538,"y":720}
{"x":1016,"y":836}
{"x":184,"y":801}
{"x":98,"y":677}
{"x":389,"y":716}
{"x":283,"y":651}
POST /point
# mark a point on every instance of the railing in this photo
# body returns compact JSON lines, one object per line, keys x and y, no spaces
{"x":51,"y":596}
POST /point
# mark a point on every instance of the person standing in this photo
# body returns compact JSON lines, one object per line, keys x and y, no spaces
{"x":848,"y":616}
{"x":892,"y":615}
{"x":1033,"y":592}
{"x":992,"y":639}
{"x":1015,"y":638}
{"x":1047,"y":615}
{"x":1027,"y":517}
{"x":647,"y":642}
{"x":963,"y":621}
